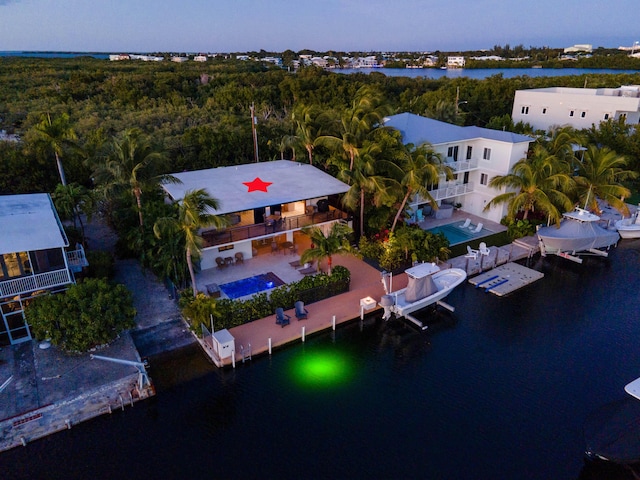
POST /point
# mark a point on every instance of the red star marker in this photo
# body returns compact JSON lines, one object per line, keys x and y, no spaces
{"x":257,"y":185}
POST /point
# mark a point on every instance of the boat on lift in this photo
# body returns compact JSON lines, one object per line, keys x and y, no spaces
{"x":629,"y":227}
{"x":427,"y":285}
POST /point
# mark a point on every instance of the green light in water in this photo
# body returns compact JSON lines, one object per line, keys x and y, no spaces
{"x":321,"y":369}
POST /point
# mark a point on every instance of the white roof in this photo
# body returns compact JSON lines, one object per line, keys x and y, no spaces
{"x":29,"y":222}
{"x":417,"y":130}
{"x":289,"y":182}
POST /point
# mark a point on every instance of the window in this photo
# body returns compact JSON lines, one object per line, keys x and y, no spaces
{"x":484,"y":179}
{"x":486,"y":155}
{"x":571,"y":112}
{"x":469,"y":151}
{"x":452,"y":152}
{"x":583,"y":114}
{"x":544,"y":110}
{"x":525,"y":110}
{"x":606,"y":116}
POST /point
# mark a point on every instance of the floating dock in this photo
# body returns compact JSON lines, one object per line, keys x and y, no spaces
{"x":506,"y":278}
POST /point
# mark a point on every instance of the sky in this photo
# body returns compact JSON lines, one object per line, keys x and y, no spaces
{"x":209,"y":26}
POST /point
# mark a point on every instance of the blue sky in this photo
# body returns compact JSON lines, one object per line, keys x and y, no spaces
{"x":346,"y":25}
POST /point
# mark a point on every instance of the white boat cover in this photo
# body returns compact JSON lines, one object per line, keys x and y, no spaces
{"x":573,"y":236}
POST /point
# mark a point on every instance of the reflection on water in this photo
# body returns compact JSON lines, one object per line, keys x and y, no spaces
{"x":498,"y":389}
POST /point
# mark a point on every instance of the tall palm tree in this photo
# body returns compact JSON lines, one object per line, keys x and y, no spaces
{"x":71,"y":201}
{"x":419,"y":167}
{"x":305,"y":120}
{"x":599,"y":175}
{"x":540,"y":182}
{"x":193,"y":213}
{"x":325,"y":246}
{"x":132,"y":165}
{"x":57,"y":135}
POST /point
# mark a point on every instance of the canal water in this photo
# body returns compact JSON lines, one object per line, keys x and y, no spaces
{"x":499,"y":389}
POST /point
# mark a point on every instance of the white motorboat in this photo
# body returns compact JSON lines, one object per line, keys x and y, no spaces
{"x":629,"y":227}
{"x":578,"y":234}
{"x":427,"y":284}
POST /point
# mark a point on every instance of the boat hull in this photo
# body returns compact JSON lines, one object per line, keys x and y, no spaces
{"x":445,"y":280}
{"x":627,"y":229}
{"x":576,"y":237}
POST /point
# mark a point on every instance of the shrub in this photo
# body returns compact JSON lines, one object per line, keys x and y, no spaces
{"x":101,"y":264}
{"x":91,"y":313}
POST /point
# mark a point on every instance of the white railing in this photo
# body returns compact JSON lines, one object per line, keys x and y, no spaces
{"x":450,"y":191}
{"x":32,"y":283}
{"x":462,"y":166}
{"x":77,"y":258}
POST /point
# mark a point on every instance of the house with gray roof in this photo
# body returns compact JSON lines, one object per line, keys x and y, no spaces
{"x":474,"y":154}
{"x":33,"y":259}
{"x":264,"y":202}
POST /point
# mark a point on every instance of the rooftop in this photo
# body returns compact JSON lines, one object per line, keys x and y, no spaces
{"x":29,"y":222}
{"x":254,"y":185}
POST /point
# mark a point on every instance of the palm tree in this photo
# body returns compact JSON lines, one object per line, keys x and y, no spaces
{"x":599,"y":175}
{"x":540,"y":182}
{"x":57,"y":135}
{"x":71,"y":201}
{"x":304,"y":118}
{"x":419,"y":167}
{"x":325,"y":246}
{"x":132,"y":165}
{"x":193,"y":214}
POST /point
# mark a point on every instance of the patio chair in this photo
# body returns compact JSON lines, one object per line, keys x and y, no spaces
{"x":471,"y":253}
{"x":477,"y":229}
{"x":419,"y":215}
{"x":282,"y":318}
{"x":484,"y":250}
{"x":295,"y":263}
{"x":220,"y":262}
{"x":239,"y":258}
{"x":308,"y":270}
{"x":466,"y":223}
{"x":301,"y":312}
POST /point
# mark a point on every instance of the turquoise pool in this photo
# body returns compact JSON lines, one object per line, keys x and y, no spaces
{"x":455,"y":234}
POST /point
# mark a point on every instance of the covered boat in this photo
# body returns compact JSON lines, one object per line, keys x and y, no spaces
{"x":427,"y":284}
{"x":578,"y":233}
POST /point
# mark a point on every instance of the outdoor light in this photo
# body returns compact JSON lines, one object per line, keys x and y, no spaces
{"x":321,"y":369}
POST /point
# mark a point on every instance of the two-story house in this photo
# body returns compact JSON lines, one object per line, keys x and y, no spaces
{"x":266,"y":203}
{"x":33,"y":259}
{"x":580,"y":108}
{"x":474,"y":154}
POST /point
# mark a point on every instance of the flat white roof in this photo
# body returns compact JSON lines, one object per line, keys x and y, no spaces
{"x":29,"y":222}
{"x":285,"y":181}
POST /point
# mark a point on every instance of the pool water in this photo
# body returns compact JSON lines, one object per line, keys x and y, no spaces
{"x":457,"y":235}
{"x":251,"y":285}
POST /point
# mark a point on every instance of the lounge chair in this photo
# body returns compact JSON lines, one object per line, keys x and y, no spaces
{"x":295,"y":263}
{"x":301,"y":312}
{"x":471,"y":253}
{"x":477,"y":229}
{"x":484,"y":250}
{"x":282,"y":318}
{"x":220,"y":262}
{"x":466,"y":223}
{"x":239,"y":258}
{"x":310,"y":269}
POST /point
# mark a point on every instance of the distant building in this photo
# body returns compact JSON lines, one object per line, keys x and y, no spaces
{"x":580,"y":48}
{"x":455,"y":62}
{"x":34,"y":259}
{"x":200,"y":58}
{"x":475,"y":155}
{"x":119,"y":56}
{"x":543,"y":108}
{"x":488,"y":58}
{"x":179,"y":59}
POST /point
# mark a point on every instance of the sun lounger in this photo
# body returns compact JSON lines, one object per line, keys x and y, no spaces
{"x":295,"y":263}
{"x":308,"y":270}
{"x":466,"y":223}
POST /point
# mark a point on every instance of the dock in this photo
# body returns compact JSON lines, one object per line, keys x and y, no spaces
{"x":506,"y":278}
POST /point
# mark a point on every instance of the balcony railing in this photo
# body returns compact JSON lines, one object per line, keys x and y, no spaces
{"x":257,"y":230}
{"x":76,"y":259}
{"x":450,"y":191}
{"x":462,"y":165}
{"x":32,"y":283}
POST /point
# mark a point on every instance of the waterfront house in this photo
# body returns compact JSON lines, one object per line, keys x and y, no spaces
{"x":455,"y":62}
{"x":265,"y":203}
{"x":580,"y":108}
{"x":474,"y":154}
{"x":33,"y":259}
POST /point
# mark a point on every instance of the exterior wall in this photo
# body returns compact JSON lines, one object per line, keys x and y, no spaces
{"x":543,"y":108}
{"x":209,"y":255}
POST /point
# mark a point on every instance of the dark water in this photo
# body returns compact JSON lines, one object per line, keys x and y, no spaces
{"x":498,"y":390}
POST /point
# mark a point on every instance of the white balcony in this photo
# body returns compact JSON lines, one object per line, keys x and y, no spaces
{"x":33,"y":283}
{"x":462,"y":165}
{"x":76,"y":259}
{"x":452,"y":190}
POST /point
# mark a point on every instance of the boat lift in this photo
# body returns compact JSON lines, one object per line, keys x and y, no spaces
{"x":143,"y":377}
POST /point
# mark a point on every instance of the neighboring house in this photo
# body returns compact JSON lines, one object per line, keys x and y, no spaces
{"x":543,"y":108}
{"x":33,"y":259}
{"x":580,"y":48}
{"x":179,"y":59}
{"x":200,"y":58}
{"x":455,"y":62}
{"x":475,"y":155}
{"x":264,"y":202}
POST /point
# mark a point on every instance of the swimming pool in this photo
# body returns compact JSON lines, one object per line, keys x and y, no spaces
{"x":251,"y":285}
{"x":455,"y":234}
